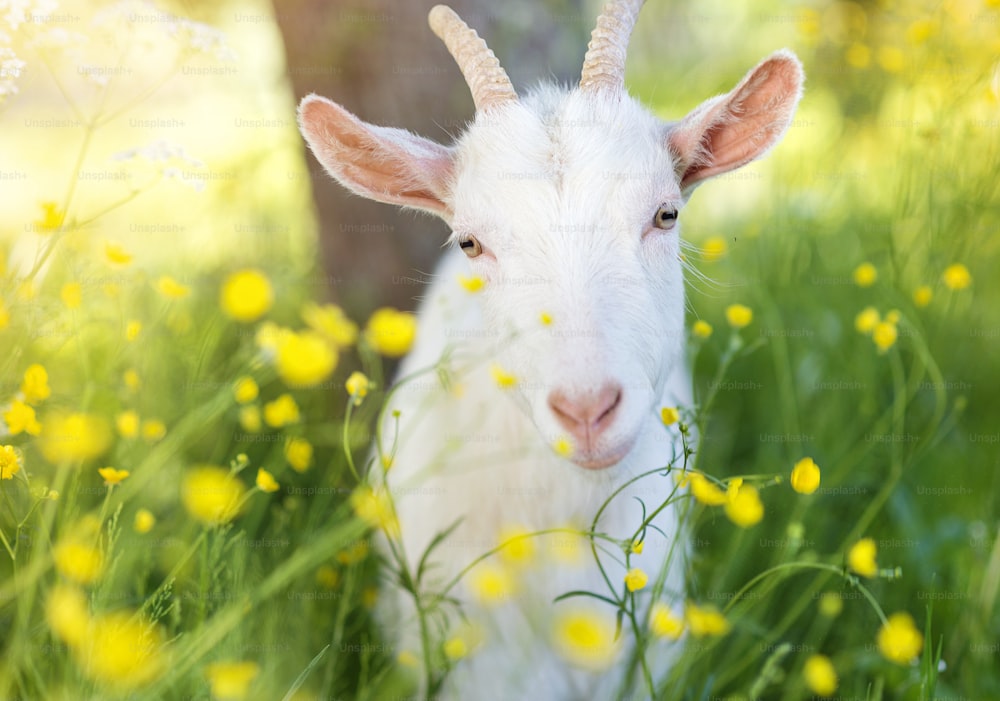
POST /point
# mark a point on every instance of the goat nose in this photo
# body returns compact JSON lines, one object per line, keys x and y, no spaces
{"x":586,"y":415}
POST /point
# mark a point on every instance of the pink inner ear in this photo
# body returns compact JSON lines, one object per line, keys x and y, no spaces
{"x":730,"y":131}
{"x":384,"y":164}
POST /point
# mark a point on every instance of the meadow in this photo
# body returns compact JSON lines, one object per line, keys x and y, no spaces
{"x":185,"y":416}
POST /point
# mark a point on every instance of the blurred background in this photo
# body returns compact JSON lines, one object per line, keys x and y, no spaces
{"x":177,"y":140}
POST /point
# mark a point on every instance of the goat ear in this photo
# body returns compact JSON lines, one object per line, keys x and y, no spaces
{"x":731,"y":130}
{"x":380,"y":163}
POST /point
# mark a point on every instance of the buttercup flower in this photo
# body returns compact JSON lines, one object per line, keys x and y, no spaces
{"x":153,"y":430}
{"x":956,"y":277}
{"x":820,"y":676}
{"x":455,"y":648}
{"x":374,"y":507}
{"x":805,"y":476}
{"x":249,"y":417}
{"x":865,"y":275}
{"x":171,"y":289}
{"x":701,"y":329}
{"x":899,"y":640}
{"x":491,"y":583}
{"x":144,"y":521}
{"x":71,"y":295}
{"x":472,"y":283}
{"x":706,"y":492}
{"x":230,"y":681}
{"x":585,"y":638}
{"x":739,"y":315}
{"x":357,"y":386}
{"x":299,"y":454}
{"x":116,"y":253}
{"x":391,"y":332}
{"x":744,"y":507}
{"x":831,"y":604}
{"x":331,"y":322}
{"x":635,"y":579}
{"x":20,"y":418}
{"x":663,"y":623}
{"x":9,"y":464}
{"x":78,"y":558}
{"x":545,"y":318}
{"x":304,"y":359}
{"x":52,"y":218}
{"x":212,"y":494}
{"x":705,"y":621}
{"x":74,"y":436}
{"x":123,"y":651}
{"x":132,"y":330}
{"x":861,"y":558}
{"x":245,"y":390}
{"x":923,"y":295}
{"x":563,"y":447}
{"x":67,"y":614}
{"x":517,"y":546}
{"x":281,"y":412}
{"x":127,"y":424}
{"x":112,"y":476}
{"x":714,"y":249}
{"x":867,"y":320}
{"x":502,"y":378}
{"x":669,"y":415}
{"x":246,"y":295}
{"x":266,"y":481}
{"x":884,"y":334}
{"x":637,"y":546}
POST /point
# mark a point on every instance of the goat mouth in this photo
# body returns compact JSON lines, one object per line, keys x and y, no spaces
{"x":603,"y":460}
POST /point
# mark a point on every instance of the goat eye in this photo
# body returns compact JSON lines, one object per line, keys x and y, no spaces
{"x":665,"y":217}
{"x":471,"y":246}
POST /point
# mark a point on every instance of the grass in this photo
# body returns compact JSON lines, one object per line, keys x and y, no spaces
{"x":893,"y":166}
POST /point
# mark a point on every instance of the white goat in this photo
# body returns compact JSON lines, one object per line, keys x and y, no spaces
{"x":566,"y":204}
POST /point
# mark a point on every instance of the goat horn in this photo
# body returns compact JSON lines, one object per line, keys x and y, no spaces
{"x":487,"y":80}
{"x":604,"y":64}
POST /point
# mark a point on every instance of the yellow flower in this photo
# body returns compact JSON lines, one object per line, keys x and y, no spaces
{"x":116,"y":253}
{"x":52,"y":218}
{"x":714,"y":249}
{"x":246,"y":295}
{"x":861,"y":558}
{"x":899,"y":640}
{"x":663,"y":623}
{"x":701,"y":329}
{"x":637,"y":546}
{"x":884,"y":334}
{"x":127,"y":424}
{"x":705,"y":621}
{"x":212,"y":495}
{"x":4,"y":315}
{"x":266,"y":481}
{"x":245,"y":390}
{"x":516,"y":545}
{"x":281,"y":412}
{"x":230,"y":681}
{"x":744,"y":507}
{"x":153,"y":430}
{"x":892,"y":316}
{"x":956,"y":277}
{"x":503,"y":379}
{"x":455,"y":648}
{"x":132,"y":330}
{"x":112,"y":476}
{"x":545,"y":318}
{"x":391,"y":332}
{"x":471,"y":284}
{"x":131,"y":380}
{"x":706,"y":492}
{"x":299,"y":454}
{"x":304,"y":359}
{"x":923,"y":295}
{"x":375,"y":508}
{"x":739,"y":315}
{"x":77,"y":559}
{"x":144,"y":521}
{"x":585,"y":638}
{"x":357,"y":386}
{"x":9,"y":464}
{"x":820,"y":676}
{"x":563,"y":447}
{"x":491,"y":584}
{"x":20,"y":418}
{"x":327,"y":577}
{"x":330,"y":321}
{"x":635,"y":579}
{"x":71,"y":295}
{"x":867,"y":320}
{"x":831,"y":604}
{"x":865,"y":275}
{"x":356,"y":552}
{"x":70,"y":437}
{"x":669,"y":416}
{"x":921,"y":30}
{"x":250,"y":418}
{"x":67,"y":615}
{"x":407,"y":659}
{"x":805,"y":476}
{"x":123,"y":651}
{"x":171,"y":289}
{"x":35,"y":386}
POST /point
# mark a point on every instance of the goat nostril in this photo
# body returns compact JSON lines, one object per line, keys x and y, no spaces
{"x":615,"y":401}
